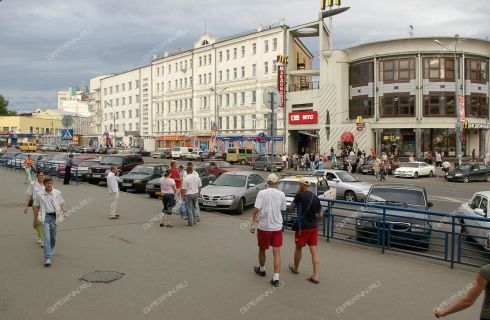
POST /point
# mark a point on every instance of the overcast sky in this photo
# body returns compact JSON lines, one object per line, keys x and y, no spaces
{"x":49,"y":45}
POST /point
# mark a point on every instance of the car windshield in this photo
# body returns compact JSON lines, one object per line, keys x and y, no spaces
{"x":397,"y":196}
{"x":411,"y":165}
{"x":230,"y":180}
{"x":111,"y":160}
{"x":290,"y":188}
{"x":89,"y":163}
{"x":59,"y":157}
{"x":223,"y":164}
{"x":346,"y":177}
{"x":464,"y":167}
{"x":143,"y":170}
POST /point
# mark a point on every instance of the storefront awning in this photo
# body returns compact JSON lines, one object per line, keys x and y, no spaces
{"x":347,"y":137}
{"x":306,"y":133}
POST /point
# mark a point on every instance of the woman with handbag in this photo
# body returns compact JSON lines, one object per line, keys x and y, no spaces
{"x":34,"y":188}
{"x":167,"y":188}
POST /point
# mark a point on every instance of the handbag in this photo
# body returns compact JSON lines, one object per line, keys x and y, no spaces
{"x":31,"y":202}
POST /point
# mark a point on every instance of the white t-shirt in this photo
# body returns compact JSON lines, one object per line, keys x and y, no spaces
{"x":112,"y":182}
{"x":270,"y":202}
{"x":34,"y":188}
{"x":191,"y":184}
{"x":166,"y":185}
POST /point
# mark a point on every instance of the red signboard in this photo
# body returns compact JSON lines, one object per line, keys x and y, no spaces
{"x":462,"y":115}
{"x":304,"y":117}
{"x":281,"y":83}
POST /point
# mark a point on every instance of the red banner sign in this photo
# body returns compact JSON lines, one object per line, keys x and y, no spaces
{"x":281,"y":84}
{"x":462,"y":115}
{"x":304,"y":117}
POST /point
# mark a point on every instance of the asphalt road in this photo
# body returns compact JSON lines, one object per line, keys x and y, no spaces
{"x":204,"y":272}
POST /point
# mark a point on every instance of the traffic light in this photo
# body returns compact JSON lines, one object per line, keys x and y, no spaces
{"x":466,"y":124}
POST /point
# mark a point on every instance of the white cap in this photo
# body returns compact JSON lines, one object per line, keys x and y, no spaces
{"x":272,"y":178}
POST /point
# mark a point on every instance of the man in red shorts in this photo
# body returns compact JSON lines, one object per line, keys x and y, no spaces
{"x":306,"y":226}
{"x":269,"y":203}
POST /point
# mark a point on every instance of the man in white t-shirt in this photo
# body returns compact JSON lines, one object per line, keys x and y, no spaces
{"x":113,"y":192}
{"x":191,"y":188}
{"x":267,"y":211}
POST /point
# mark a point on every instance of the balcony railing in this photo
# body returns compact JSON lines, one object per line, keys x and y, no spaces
{"x":314,"y":85}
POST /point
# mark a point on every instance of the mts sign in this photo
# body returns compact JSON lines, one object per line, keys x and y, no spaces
{"x":303,"y":117}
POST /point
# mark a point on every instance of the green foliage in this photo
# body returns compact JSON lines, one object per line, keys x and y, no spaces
{"x":4,"y":111}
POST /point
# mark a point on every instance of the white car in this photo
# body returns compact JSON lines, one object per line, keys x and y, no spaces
{"x":477,"y":207}
{"x":194,"y":155}
{"x":415,"y":169}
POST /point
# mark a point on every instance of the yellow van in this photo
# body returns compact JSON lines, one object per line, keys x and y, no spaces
{"x":238,"y":155}
{"x":28,"y":146}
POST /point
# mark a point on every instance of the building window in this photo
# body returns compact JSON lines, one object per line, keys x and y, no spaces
{"x":235,"y":53}
{"x":266,"y":67}
{"x":220,"y":123}
{"x":205,"y":81}
{"x":235,"y":98}
{"x":227,"y":123}
{"x":437,"y":69}
{"x":130,"y":84}
{"x":243,"y":72}
{"x":220,"y":76}
{"x":243,"y":51}
{"x":209,"y":77}
{"x":227,"y":55}
{"x":227,"y":100}
{"x":477,"y":106}
{"x":254,"y":70}
{"x":227,"y":74}
{"x":254,"y":121}
{"x":361,"y":74}
{"x":130,"y":114}
{"x":110,"y":90}
{"x":209,"y":58}
{"x":254,"y":96}
{"x":220,"y":55}
{"x":200,"y":79}
{"x":266,"y":46}
{"x":136,"y":84}
{"x":105,"y":91}
{"x":200,"y":61}
{"x":123,"y":101}
{"x":235,"y":73}
{"x":242,"y":122}
{"x":361,"y":106}
{"x":394,"y":70}
{"x":235,"y":122}
{"x":117,"y":88}
{"x":274,"y":44}
{"x":439,"y":104}
{"x":123,"y":87}
{"x":254,"y":48}
{"x":274,"y":66}
{"x":476,"y":70}
{"x":397,"y":105}
{"x":242,"y":100}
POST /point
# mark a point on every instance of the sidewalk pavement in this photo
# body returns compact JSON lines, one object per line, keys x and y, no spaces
{"x":206,"y":268}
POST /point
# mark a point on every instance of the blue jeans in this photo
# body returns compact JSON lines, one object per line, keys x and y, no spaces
{"x":191,"y":203}
{"x":49,"y":233}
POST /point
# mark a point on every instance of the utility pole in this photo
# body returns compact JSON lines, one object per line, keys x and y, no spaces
{"x":458,"y":103}
{"x":271,"y":94}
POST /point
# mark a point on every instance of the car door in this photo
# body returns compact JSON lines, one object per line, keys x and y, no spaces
{"x":482,"y":174}
{"x":251,"y":192}
{"x":423,"y":169}
{"x":473,"y":204}
{"x":484,"y":225}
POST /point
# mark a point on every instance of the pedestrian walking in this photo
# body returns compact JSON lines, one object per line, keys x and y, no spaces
{"x":438,"y":160}
{"x":309,"y":210}
{"x":69,"y":164}
{"x":28,"y":169}
{"x":473,"y":155}
{"x":411,"y":158}
{"x":32,"y":191}
{"x":376,"y":168}
{"x":49,"y":205}
{"x":174,"y":174}
{"x":487,"y":158}
{"x":268,"y":208}
{"x":167,"y":189}
{"x":113,"y":188}
{"x":191,"y":189}
{"x":383,"y":170}
{"x":476,"y":288}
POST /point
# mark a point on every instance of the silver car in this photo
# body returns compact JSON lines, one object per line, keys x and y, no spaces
{"x":232,"y":191}
{"x":347,"y":186}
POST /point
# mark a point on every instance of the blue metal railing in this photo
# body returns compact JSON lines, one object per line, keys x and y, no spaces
{"x":448,"y":237}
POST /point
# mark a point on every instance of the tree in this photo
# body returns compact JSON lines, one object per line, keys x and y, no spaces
{"x":4,"y":111}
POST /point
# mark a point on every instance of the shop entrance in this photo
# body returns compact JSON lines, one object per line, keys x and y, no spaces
{"x":304,"y":142}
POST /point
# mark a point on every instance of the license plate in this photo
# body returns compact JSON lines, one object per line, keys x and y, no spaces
{"x":210,"y":204}
{"x":158,"y":193}
{"x":97,"y":176}
{"x":126,"y":184}
{"x":364,"y":170}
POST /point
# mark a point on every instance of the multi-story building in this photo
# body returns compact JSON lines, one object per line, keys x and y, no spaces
{"x":208,"y":96}
{"x":403,"y":89}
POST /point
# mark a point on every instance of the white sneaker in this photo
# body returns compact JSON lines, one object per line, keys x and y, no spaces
{"x":47,"y":263}
{"x":53,"y":252}
{"x":39,"y":240}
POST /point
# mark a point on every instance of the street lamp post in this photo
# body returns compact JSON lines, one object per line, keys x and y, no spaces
{"x":113,"y":118}
{"x":456,"y":98}
{"x":216,"y":107}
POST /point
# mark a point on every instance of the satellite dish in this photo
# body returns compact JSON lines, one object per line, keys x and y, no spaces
{"x":67,"y":121}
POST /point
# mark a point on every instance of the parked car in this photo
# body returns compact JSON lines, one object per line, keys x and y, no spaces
{"x":216,"y":167}
{"x":161,"y":153}
{"x":177,"y":152}
{"x":477,"y":207}
{"x":238,"y":155}
{"x":194,"y":155}
{"x":250,"y":159}
{"x":206,"y":155}
{"x":368,"y":168}
{"x":266,"y":163}
{"x":83,"y":168}
{"x":142,"y":151}
{"x":415,"y":169}
{"x":318,"y":185}
{"x":232,"y":191}
{"x":469,"y":172}
{"x":18,"y":160}
{"x":139,"y":176}
{"x":403,"y":228}
{"x":51,"y":166}
{"x":87,"y":149}
{"x":124,"y":163}
{"x":153,"y":186}
{"x":347,"y":186}
{"x":101,"y":150}
{"x":219,"y":156}
{"x":7,"y":156}
{"x":76,"y":162}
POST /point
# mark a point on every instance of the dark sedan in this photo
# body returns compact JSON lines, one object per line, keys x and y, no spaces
{"x":216,"y":167}
{"x":469,"y":172}
{"x":153,"y":186}
{"x":368,"y":168}
{"x":206,"y":155}
{"x":137,"y":178}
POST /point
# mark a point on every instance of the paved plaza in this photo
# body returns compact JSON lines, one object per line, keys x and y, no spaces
{"x":203,"y":272}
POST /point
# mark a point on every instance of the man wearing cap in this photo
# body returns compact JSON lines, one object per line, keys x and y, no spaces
{"x":306,"y":227}
{"x":267,"y":211}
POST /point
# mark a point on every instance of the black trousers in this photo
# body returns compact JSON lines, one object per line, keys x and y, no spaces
{"x":67,"y":175}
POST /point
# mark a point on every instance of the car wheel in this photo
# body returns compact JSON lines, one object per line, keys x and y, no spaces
{"x":488,"y":178}
{"x":431,"y":174}
{"x":241,"y":206}
{"x":243,"y":162}
{"x":90,"y":181}
{"x":466,"y":179}
{"x":123,"y":189}
{"x":265,"y":168}
{"x":350,"y":196}
{"x":153,"y":195}
{"x":416,"y":175}
{"x":253,"y":167}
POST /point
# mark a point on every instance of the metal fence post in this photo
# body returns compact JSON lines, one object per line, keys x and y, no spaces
{"x":383,"y":232}
{"x":453,"y":237}
{"x":326,"y":221}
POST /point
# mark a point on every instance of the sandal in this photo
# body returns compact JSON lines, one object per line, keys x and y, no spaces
{"x":162,"y":225}
{"x":291,"y":268}
{"x":169,"y":226}
{"x":313,"y":280}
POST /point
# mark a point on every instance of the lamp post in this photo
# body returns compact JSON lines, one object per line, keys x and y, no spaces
{"x":113,"y":118}
{"x":216,"y":107}
{"x":456,"y":98}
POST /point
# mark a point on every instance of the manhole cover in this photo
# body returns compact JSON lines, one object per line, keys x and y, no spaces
{"x":102,"y":276}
